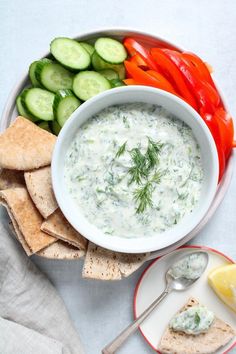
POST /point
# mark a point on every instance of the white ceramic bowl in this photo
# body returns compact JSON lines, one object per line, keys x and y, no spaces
{"x":125,"y":95}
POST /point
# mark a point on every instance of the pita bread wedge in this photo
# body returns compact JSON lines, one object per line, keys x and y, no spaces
{"x":24,"y":146}
{"x":218,"y":335}
{"x":56,"y":225}
{"x":16,"y":231}
{"x":11,"y":179}
{"x":103,"y":264}
{"x":25,"y":218}
{"x":39,"y":185}
{"x":61,"y":250}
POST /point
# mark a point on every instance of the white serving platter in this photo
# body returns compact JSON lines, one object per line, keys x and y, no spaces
{"x":149,"y":40}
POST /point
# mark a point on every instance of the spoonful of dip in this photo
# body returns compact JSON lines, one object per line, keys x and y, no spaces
{"x":180,"y":276}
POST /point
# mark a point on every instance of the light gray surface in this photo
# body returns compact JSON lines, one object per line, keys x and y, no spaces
{"x":101,"y":310}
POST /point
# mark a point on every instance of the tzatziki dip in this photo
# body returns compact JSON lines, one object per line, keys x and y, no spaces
{"x":189,"y":267}
{"x":195,"y":320}
{"x":134,"y":170}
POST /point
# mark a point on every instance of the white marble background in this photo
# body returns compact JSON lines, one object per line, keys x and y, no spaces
{"x":101,"y":310}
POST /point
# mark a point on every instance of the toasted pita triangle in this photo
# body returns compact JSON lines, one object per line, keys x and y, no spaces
{"x":25,"y":146}
{"x":16,"y":231}
{"x":11,"y":179}
{"x":103,"y":264}
{"x":218,"y":335}
{"x":56,"y":225}
{"x":61,"y":250}
{"x":39,"y":185}
{"x":26,"y":219}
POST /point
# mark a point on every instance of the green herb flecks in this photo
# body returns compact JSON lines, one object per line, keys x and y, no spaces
{"x":197,"y":319}
{"x":80,"y":178}
{"x":121,"y":150}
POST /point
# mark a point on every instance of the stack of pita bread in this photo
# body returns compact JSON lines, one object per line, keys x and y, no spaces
{"x":39,"y":225}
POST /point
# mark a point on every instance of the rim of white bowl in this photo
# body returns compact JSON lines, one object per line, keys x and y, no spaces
{"x":139,"y":244}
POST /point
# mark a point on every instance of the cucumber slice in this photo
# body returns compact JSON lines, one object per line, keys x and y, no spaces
{"x":116,"y":83}
{"x":99,"y":64}
{"x":109,"y":74}
{"x":32,"y":70}
{"x":39,"y":103}
{"x":22,"y":111}
{"x":65,"y":103}
{"x":70,"y":53}
{"x":53,"y":76}
{"x":55,"y":127}
{"x":44,"y":125}
{"x":89,"y":83}
{"x":110,"y":50}
{"x":90,"y":49}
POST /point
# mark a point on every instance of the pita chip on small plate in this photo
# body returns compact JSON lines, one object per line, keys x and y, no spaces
{"x":26,"y":219}
{"x":11,"y":179}
{"x":61,"y":250}
{"x":24,"y":146}
{"x":103,"y":264}
{"x":56,"y":225}
{"x":39,"y":185}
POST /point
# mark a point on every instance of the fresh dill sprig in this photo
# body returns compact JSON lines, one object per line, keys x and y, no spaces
{"x":143,"y":172}
{"x":156,"y":178}
{"x":152,"y":153}
{"x":143,"y":197}
{"x":121,"y":150}
{"x":139,"y":168}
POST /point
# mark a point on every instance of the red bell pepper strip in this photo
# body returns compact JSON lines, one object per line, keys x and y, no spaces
{"x":130,"y":82}
{"x":200,"y":66}
{"x":226,"y":128}
{"x":212,"y":93}
{"x":138,"y":60}
{"x":134,"y":47}
{"x":204,"y":101}
{"x":162,"y":78}
{"x":172,"y":73}
{"x":143,"y":78}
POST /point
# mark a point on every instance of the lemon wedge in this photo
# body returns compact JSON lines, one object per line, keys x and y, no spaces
{"x":223,"y":282}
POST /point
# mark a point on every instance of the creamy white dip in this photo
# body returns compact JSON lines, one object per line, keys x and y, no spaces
{"x":189,"y":267}
{"x":101,"y":170}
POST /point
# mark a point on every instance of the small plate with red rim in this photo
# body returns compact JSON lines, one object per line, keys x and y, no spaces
{"x":152,"y":283}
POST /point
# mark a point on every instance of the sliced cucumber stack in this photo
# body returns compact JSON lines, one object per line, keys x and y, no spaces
{"x":87,"y":84}
{"x":32,"y":70}
{"x":64,"y":104}
{"x":53,"y":76}
{"x":70,"y":53}
{"x":38,"y":102}
{"x":21,"y":110}
{"x":57,"y":87}
{"x":110,"y":50}
{"x":90,"y":49}
{"x":99,"y":64}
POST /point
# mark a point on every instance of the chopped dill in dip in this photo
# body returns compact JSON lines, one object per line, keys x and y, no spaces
{"x":134,"y":170}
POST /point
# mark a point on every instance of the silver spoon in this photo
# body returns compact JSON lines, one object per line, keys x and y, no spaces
{"x":175,"y":282}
